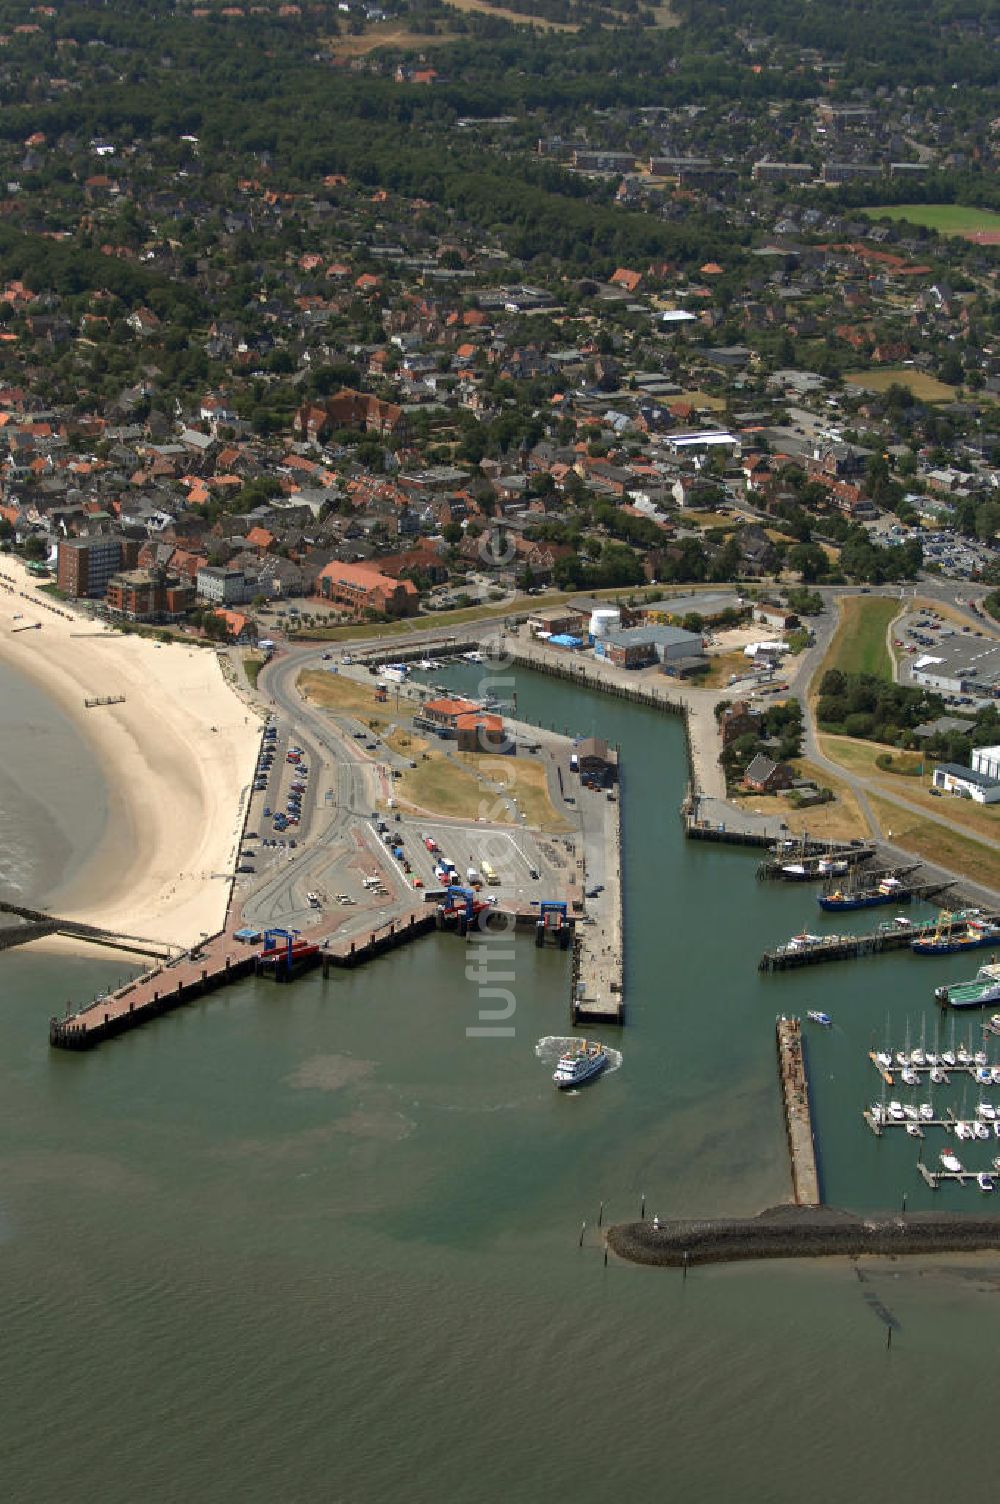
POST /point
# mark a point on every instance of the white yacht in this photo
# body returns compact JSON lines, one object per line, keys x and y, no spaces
{"x":938,"y":1076}
{"x":926,"y":1112}
{"x":580,"y":1063}
{"x":951,"y":1162}
{"x":909,"y":1076}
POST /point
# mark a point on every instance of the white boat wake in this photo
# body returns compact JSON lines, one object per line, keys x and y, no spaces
{"x":551,"y":1046}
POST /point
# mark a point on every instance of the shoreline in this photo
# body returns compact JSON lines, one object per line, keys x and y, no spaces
{"x":177,"y":756}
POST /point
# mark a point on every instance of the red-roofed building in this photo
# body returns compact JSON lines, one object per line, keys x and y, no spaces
{"x":361,"y":588}
{"x":239,"y":627}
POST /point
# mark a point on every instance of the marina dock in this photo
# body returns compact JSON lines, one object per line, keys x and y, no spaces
{"x":798,"y":1114}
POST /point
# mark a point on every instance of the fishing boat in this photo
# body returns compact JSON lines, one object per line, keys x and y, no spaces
{"x":889,"y":890}
{"x":951,"y":1162}
{"x":831,"y":866}
{"x":818,"y":1017}
{"x":800,"y":942}
{"x":954,"y":933}
{"x":985,"y":988}
{"x":579,"y":1064}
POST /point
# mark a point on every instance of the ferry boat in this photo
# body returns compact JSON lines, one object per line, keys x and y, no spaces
{"x":580,"y":1063}
{"x":818,"y":1017}
{"x":889,"y":890}
{"x":954,"y":933}
{"x":976,"y":994}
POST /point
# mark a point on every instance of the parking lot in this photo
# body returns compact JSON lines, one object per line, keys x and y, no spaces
{"x":967,"y":667}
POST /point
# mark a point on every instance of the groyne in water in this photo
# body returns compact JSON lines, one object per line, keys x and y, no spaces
{"x":797,"y":1232}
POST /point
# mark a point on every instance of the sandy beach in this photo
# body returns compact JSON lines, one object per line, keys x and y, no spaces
{"x":178,"y":755}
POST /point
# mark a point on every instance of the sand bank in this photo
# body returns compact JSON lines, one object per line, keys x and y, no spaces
{"x":178,"y":754}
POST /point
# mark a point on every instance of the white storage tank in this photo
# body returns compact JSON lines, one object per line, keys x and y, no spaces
{"x":604,"y":620}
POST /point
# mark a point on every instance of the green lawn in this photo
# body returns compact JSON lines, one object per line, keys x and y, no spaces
{"x":925,"y":388}
{"x":859,"y":644}
{"x":948,"y":219}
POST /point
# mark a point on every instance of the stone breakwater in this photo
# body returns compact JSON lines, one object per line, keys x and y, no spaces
{"x":792,"y":1232}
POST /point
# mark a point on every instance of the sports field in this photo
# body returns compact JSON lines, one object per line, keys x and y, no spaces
{"x":924,"y":387}
{"x":947,"y":219}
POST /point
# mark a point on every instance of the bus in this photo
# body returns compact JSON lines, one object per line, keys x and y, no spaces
{"x":490,"y":874}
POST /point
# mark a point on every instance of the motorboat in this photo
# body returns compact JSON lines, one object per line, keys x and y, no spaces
{"x":896,"y":1112}
{"x":818,"y":1017}
{"x":963,"y":1055}
{"x":984,"y":1075}
{"x":883,"y":1060}
{"x":980,"y":1130}
{"x":902,"y":1057}
{"x":910,"y":1113}
{"x":926,"y":1112}
{"x":995,"y":1073}
{"x":938,"y":1075}
{"x":909,"y":1076}
{"x":917,"y":1057}
{"x":988,"y":1111}
{"x":579,"y":1064}
{"x":980,"y":1057}
{"x":963,"y":1130}
{"x":951,"y":1162}
{"x":948,"y":1059}
{"x":984,"y":1181}
{"x":914,"y":1130}
{"x":931,"y":1058}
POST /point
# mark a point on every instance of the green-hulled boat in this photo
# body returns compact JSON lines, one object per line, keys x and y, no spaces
{"x":985,"y":989}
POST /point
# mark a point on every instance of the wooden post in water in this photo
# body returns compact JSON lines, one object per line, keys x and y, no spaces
{"x":685,"y":1274}
{"x":888,"y":1339}
{"x":583,"y":1229}
{"x":600,"y":1216}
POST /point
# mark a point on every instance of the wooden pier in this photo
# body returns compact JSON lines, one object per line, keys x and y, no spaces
{"x":798,"y":1114}
{"x":837,"y":948}
{"x":815,"y":948}
{"x":811,"y":854}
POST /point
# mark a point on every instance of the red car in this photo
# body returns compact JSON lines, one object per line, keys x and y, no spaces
{"x":430,"y":843}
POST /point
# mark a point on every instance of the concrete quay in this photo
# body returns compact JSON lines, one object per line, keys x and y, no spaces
{"x":798,"y":1114}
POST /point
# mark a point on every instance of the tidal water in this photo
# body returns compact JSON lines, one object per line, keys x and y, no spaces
{"x":316,"y":1243}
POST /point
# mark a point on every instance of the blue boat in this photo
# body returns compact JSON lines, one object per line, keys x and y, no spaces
{"x":954,"y":933}
{"x":817,"y":1017}
{"x":889,"y":890}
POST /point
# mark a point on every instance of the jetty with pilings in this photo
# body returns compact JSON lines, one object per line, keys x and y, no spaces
{"x":808,"y":950}
{"x":798,"y":1112}
{"x":811,"y":856}
{"x":38,"y":923}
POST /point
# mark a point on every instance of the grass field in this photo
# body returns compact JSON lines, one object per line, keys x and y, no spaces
{"x":514,"y":16}
{"x":859,"y":643}
{"x":947,"y":219}
{"x":981,"y":820}
{"x":935,"y":843}
{"x":925,"y":388}
{"x":386,"y":34}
